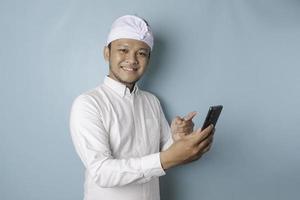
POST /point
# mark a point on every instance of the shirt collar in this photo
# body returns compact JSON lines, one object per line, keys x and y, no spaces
{"x":118,"y":87}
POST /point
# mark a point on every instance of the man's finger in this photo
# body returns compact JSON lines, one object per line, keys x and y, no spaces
{"x":201,"y":135}
{"x":186,"y":130}
{"x":190,"y":116}
{"x":205,"y":143}
{"x":205,"y":149}
{"x":177,"y":120}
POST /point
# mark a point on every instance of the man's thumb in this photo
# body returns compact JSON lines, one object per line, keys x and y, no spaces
{"x":190,"y":116}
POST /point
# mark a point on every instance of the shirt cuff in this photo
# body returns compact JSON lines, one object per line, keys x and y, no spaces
{"x":151,"y":165}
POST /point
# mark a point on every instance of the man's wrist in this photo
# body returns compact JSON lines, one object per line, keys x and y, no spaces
{"x":166,"y":160}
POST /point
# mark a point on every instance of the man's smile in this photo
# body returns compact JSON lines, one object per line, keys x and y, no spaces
{"x":129,"y":69}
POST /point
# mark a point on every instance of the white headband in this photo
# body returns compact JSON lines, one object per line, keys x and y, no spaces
{"x":131,"y":27}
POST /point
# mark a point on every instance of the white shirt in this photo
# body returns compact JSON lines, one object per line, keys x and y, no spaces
{"x":118,"y":136}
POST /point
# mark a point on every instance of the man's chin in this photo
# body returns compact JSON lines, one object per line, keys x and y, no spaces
{"x":128,"y":81}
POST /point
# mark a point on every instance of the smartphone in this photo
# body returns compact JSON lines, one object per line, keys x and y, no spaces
{"x":212,"y":116}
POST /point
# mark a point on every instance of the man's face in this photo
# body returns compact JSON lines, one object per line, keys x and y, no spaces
{"x":128,"y":60}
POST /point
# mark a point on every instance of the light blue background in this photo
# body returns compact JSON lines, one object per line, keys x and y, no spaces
{"x":243,"y":54}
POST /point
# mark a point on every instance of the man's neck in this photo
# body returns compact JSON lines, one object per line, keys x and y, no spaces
{"x":130,"y":86}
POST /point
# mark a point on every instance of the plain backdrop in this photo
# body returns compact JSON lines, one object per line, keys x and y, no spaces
{"x":243,"y":54}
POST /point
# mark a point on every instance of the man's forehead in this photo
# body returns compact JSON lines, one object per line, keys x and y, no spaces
{"x":131,"y":43}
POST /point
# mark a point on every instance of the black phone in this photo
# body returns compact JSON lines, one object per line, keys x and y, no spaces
{"x":212,"y":116}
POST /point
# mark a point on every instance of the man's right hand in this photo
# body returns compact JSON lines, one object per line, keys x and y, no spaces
{"x":189,"y":148}
{"x":182,"y":126}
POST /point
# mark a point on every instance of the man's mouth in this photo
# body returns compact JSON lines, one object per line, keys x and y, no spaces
{"x":129,"y":69}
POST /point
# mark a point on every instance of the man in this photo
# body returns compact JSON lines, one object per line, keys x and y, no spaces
{"x":120,"y":132}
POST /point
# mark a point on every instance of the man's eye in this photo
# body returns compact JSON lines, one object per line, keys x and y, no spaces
{"x":123,"y":50}
{"x":143,"y":54}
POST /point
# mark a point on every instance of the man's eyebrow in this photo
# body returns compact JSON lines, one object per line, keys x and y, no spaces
{"x":144,"y":49}
{"x":128,"y":46}
{"x":123,"y":45}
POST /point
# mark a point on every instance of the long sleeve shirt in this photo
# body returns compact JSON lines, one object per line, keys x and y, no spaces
{"x":118,"y":135}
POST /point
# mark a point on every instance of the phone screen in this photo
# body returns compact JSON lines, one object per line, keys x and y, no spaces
{"x":212,"y":116}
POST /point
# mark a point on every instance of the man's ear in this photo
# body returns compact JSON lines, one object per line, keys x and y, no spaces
{"x":106,"y":53}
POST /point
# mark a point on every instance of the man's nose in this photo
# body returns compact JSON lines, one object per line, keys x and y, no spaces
{"x":132,"y":59}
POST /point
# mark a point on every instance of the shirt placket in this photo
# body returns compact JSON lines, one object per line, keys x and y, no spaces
{"x":138,"y":130}
{"x":130,"y":99}
{"x":139,"y":140}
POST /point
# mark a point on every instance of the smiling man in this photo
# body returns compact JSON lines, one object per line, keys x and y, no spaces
{"x":120,"y":132}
